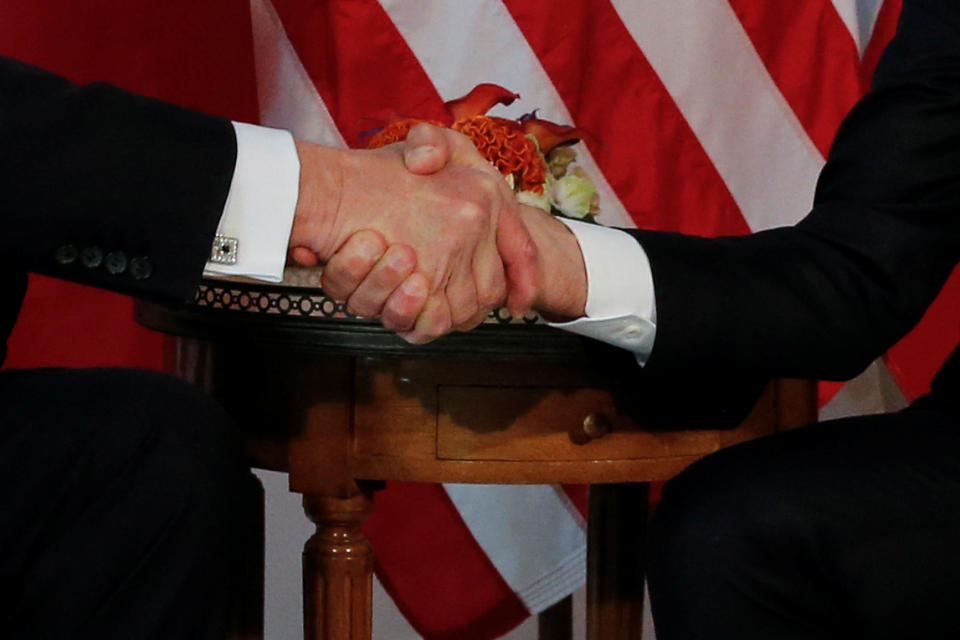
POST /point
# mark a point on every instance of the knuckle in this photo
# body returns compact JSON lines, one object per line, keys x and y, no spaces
{"x":470,"y":212}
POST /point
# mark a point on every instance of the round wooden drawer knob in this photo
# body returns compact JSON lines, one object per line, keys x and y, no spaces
{"x":594,"y":426}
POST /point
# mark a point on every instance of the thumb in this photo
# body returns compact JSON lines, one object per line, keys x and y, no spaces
{"x":427,"y":149}
{"x":302,"y":256}
{"x":519,"y":254}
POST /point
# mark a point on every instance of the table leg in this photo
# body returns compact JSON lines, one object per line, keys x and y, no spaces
{"x":615,"y":547}
{"x":556,"y":622}
{"x":338,"y":569}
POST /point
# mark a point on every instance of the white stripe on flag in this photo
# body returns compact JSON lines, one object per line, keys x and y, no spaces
{"x":287,"y":95}
{"x":848,"y":13}
{"x":867,"y":12}
{"x":530,"y":536}
{"x":873,"y":391}
{"x":461,"y":44}
{"x":711,"y":69}
{"x":860,"y":17}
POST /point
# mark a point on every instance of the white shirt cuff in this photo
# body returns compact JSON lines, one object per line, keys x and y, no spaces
{"x":621,"y":307}
{"x":261,"y":203}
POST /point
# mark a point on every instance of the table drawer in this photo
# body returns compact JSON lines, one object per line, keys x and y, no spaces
{"x":535,"y":423}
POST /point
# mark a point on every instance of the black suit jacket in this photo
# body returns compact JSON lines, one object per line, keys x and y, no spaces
{"x":826,"y":297}
{"x":105,"y":188}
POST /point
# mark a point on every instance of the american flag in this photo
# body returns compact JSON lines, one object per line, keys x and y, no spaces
{"x":710,"y":117}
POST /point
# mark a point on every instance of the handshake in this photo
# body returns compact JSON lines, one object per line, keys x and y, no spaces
{"x":427,"y":235}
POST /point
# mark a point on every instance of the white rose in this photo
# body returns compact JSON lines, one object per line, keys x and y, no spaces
{"x":573,"y":195}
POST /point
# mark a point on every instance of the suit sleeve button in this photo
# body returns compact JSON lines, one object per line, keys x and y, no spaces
{"x":115,"y":263}
{"x":141,"y":268}
{"x":66,"y":254}
{"x":91,"y":257}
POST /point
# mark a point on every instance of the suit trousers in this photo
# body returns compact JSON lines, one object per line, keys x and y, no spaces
{"x":845,"y":529}
{"x":123,"y":496}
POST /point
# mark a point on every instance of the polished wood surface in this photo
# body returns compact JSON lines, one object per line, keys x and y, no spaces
{"x":617,"y":520}
{"x":555,"y":622}
{"x":338,"y":569}
{"x":338,"y":404}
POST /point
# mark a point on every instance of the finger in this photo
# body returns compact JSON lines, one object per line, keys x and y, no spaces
{"x":427,"y":149}
{"x":519,"y":254}
{"x":406,"y":303}
{"x":303,"y":257}
{"x":489,"y":277}
{"x":351,"y":263}
{"x":432,"y":323}
{"x":473,"y":322}
{"x":461,"y":292}
{"x":391,"y":270}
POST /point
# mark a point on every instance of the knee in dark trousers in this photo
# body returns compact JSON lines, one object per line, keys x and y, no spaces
{"x":734,"y":553}
{"x":842,"y":529}
{"x":124,"y":490}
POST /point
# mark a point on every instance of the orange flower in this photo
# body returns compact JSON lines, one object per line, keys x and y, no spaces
{"x":505,"y":143}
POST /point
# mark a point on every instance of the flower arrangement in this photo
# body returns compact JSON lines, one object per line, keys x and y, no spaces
{"x":533,"y":155}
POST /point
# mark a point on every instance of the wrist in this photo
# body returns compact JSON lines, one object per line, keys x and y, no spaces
{"x":318,"y":201}
{"x":561,"y":275}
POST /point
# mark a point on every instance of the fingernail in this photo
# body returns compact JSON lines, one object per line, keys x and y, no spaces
{"x":413,"y":287}
{"x":418,"y":155}
{"x":399,"y":260}
{"x":370,"y":250}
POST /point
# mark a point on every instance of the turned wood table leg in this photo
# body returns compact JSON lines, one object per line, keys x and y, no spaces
{"x":338,"y":570}
{"x":615,"y":547}
{"x":556,"y":622}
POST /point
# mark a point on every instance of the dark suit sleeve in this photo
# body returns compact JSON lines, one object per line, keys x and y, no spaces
{"x":826,"y":297}
{"x":91,"y":172}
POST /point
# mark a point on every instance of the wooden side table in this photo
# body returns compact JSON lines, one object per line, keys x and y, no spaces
{"x":342,"y":405}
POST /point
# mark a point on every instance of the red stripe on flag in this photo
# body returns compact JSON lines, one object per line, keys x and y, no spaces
{"x":883,"y":30}
{"x":56,"y":314}
{"x":810,"y":55}
{"x":198,"y":55}
{"x":579,"y":495}
{"x":427,"y":560}
{"x":361,"y":65}
{"x":826,"y":390}
{"x":644,"y":146}
{"x":916,"y":358}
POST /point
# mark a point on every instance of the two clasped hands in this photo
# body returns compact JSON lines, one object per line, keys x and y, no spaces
{"x":428,"y":236}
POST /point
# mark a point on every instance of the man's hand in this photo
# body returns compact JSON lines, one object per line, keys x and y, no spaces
{"x":377,"y":280}
{"x":453,"y":221}
{"x":560,"y":290}
{"x":557,"y":286}
{"x":375,"y":277}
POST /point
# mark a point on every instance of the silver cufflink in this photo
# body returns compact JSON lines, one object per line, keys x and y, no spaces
{"x":224,"y":250}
